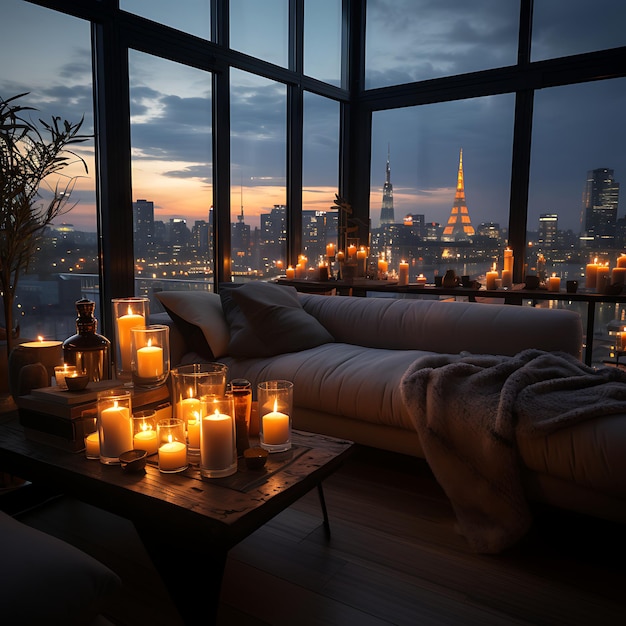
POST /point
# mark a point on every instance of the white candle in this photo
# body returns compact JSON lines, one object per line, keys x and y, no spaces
{"x":124,"y":324}
{"x":188,"y":407}
{"x":193,"y":431}
{"x":403,"y":273}
{"x":554,"y":283}
{"x":146,"y":439}
{"x":491,"y":277}
{"x":508,"y":261}
{"x":92,"y":445}
{"x":116,"y":431}
{"x":216,"y":441}
{"x":275,"y":427}
{"x":172,"y":456}
{"x":507,"y":279}
{"x":149,"y":361}
{"x":591,"y":274}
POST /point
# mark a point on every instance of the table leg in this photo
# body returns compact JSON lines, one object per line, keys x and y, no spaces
{"x":320,"y":493}
{"x":191,"y":569}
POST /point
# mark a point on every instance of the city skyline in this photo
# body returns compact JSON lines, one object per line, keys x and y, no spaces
{"x":577,"y":128}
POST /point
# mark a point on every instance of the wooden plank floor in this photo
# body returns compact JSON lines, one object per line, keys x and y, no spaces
{"x":394,"y":558}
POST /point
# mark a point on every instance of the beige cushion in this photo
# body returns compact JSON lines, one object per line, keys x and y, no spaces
{"x":202,"y":310}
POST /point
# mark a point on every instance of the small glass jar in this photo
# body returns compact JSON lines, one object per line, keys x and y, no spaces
{"x":150,"y":355}
{"x":115,"y":426}
{"x":60,"y":372}
{"x":275,"y":410}
{"x":172,"y":444}
{"x":145,"y":431}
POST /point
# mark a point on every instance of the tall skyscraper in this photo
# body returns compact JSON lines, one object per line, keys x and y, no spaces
{"x":548,"y":229}
{"x":143,"y":214}
{"x":459,"y":226}
{"x":386,"y":212}
{"x":600,"y":202}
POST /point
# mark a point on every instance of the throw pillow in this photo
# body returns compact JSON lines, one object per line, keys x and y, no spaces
{"x":267,"y":319}
{"x":199,"y":317}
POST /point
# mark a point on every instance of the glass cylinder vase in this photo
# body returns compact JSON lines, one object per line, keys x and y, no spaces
{"x":275,"y":410}
{"x":145,"y":431}
{"x":150,"y":355}
{"x":172,"y":444}
{"x":127,"y":313}
{"x":115,"y":425}
{"x":218,"y":452}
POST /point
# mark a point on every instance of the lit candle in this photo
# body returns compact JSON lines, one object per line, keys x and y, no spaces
{"x":149,"y":361}
{"x":193,"y":431}
{"x":290,"y":273}
{"x":421,"y":279}
{"x":491,"y":277}
{"x":508,"y":262}
{"x":621,"y":260}
{"x":591,"y":274}
{"x":275,"y":427}
{"x":60,"y":373}
{"x":172,"y":455}
{"x":330,"y":250}
{"x":124,"y":324}
{"x":507,"y":279}
{"x":279,"y":264}
{"x":554,"y":283}
{"x":299,"y":271}
{"x":602,"y":278}
{"x":622,"y":339}
{"x":48,"y":353}
{"x":383,"y":266}
{"x":618,"y":274}
{"x":216,"y":440}
{"x":351,"y":251}
{"x":341,"y":256}
{"x":322,"y":271}
{"x":92,"y":445}
{"x":403,"y":273}
{"x":188,"y":407}
{"x":116,"y":431}
{"x":146,"y":439}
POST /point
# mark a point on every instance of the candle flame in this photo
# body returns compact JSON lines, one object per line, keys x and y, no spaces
{"x":217,"y":413}
{"x":595,"y":260}
{"x":115,"y":404}
{"x":149,"y":343}
{"x":40,"y":338}
{"x":145,"y":426}
{"x":275,"y":405}
{"x":190,"y":392}
{"x":130,"y":310}
{"x":169,"y":439}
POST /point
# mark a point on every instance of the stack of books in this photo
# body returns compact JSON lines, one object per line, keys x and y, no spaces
{"x":56,"y":417}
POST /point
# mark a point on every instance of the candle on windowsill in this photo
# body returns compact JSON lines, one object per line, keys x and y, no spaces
{"x":383,"y":266}
{"x":621,"y":260}
{"x":618,"y":275}
{"x":554,"y":283}
{"x":508,"y":263}
{"x":403,"y":273}
{"x":507,"y":279}
{"x":351,"y":251}
{"x":602,"y":278}
{"x":290,"y":273}
{"x":330,"y":251}
{"x":591,"y":274}
{"x":491,"y":277}
{"x":421,"y":280}
{"x":124,"y":324}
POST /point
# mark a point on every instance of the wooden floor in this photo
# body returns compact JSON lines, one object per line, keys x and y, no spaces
{"x":394,"y":558}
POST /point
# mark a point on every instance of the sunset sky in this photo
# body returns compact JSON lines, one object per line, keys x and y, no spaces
{"x":576,"y":128}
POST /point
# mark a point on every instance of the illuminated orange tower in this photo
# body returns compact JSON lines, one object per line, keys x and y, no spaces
{"x":459,"y":224}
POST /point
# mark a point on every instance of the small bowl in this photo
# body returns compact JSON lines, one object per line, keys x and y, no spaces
{"x":76,"y":383}
{"x":255,"y":457}
{"x":133,"y":460}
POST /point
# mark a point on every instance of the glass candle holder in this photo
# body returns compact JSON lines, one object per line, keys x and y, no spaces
{"x":186,"y":392}
{"x":60,"y":372}
{"x":218,"y":453}
{"x":145,"y":431}
{"x":241,"y":390}
{"x":127,"y":313}
{"x":150,"y":355}
{"x":115,"y":426}
{"x":275,"y":409}
{"x":172,"y":444}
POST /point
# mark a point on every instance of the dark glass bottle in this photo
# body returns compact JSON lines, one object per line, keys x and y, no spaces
{"x":87,"y":349}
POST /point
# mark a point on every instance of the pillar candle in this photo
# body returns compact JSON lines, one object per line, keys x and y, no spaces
{"x":216,"y":440}
{"x":193,"y":431}
{"x":591,"y":274}
{"x":618,"y":274}
{"x":341,"y":256}
{"x":275,"y":428}
{"x":187,"y":408}
{"x":330,"y":250}
{"x":382,"y":266}
{"x":351,"y":251}
{"x":290,"y":273}
{"x":490,"y":278}
{"x":116,"y":431}
{"x":621,"y":260}
{"x":124,"y":324}
{"x":622,"y":340}
{"x":403,"y":273}
{"x":507,"y":279}
{"x":508,"y":262}
{"x":421,"y":279}
{"x":146,"y":440}
{"x":172,"y":456}
{"x":149,"y":361}
{"x":602,"y":278}
{"x":92,"y":445}
{"x":554,"y":283}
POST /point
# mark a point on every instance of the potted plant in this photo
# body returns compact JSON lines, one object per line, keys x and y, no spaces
{"x":30,"y":155}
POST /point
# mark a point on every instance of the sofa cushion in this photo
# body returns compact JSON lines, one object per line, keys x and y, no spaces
{"x":48,"y":581}
{"x":199,"y":317}
{"x":267,"y":319}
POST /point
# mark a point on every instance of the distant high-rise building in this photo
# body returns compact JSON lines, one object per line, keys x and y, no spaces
{"x":459,"y":226}
{"x":489,"y":229}
{"x":143,"y":226}
{"x":548,"y":229}
{"x":386,"y":212}
{"x":600,"y":202}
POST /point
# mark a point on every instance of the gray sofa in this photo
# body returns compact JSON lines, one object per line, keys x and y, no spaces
{"x":348,"y":384}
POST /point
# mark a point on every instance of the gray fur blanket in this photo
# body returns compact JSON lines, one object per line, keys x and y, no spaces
{"x":469,"y":410}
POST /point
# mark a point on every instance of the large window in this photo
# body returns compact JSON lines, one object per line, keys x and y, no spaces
{"x":55,"y":74}
{"x":171,"y":175}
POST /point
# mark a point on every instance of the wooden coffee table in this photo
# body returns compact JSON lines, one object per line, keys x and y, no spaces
{"x":187,"y":524}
